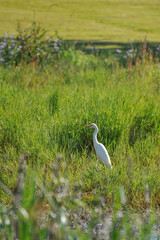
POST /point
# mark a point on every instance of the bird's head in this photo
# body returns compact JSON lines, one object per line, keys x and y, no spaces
{"x":92,"y":125}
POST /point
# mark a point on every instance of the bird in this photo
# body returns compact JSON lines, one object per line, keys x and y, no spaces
{"x":100,"y":149}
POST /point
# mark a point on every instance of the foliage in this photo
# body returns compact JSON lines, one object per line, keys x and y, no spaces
{"x":43,"y":113}
{"x":28,"y":46}
{"x":31,"y":46}
{"x":43,"y":109}
{"x":37,"y":213}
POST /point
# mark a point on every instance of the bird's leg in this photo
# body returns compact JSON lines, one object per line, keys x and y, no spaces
{"x":99,"y":172}
{"x":97,"y":168}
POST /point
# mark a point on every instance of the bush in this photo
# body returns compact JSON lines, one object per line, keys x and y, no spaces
{"x":29,"y":46}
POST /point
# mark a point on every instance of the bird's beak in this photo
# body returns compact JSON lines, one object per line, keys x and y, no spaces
{"x":87,"y":125}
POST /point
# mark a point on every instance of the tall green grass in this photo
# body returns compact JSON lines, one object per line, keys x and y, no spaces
{"x":37,"y":213}
{"x":43,"y":113}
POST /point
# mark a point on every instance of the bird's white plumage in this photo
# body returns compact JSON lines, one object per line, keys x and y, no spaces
{"x":103,"y":155}
{"x":100,"y":149}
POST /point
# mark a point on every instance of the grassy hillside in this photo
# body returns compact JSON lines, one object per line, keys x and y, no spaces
{"x":115,"y":20}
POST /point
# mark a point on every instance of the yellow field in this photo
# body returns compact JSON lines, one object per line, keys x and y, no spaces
{"x":114,"y":20}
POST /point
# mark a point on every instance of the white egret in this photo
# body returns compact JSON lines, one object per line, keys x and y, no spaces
{"x":100,"y":149}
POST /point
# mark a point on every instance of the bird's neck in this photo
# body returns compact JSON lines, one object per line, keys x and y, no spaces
{"x":95,"y":137}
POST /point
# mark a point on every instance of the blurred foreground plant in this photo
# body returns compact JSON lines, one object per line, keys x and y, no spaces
{"x":38,"y":214}
{"x":34,"y":215}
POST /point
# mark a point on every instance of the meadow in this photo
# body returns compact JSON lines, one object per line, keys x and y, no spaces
{"x":43,"y":112}
{"x":52,"y":186}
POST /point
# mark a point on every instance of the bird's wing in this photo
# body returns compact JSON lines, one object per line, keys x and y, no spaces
{"x":103,"y":155}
